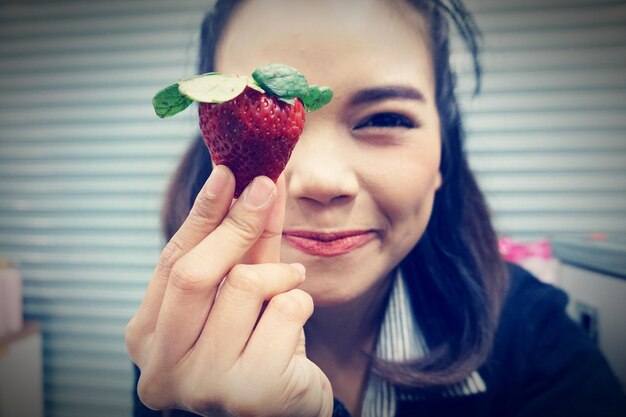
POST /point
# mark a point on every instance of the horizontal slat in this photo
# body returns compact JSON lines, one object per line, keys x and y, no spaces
{"x":91,"y":251}
{"x":537,"y":121}
{"x":101,"y":204}
{"x":551,"y":18}
{"x":541,"y":162}
{"x":82,"y":345}
{"x":86,"y":396}
{"x":92,"y":114}
{"x":557,"y":59}
{"x":136,"y":22}
{"x":185,"y":128}
{"x":67,"y":256}
{"x":592,"y":182}
{"x":81,"y":311}
{"x":49,"y":96}
{"x":94,"y":186}
{"x":129,"y":152}
{"x":63,"y":275}
{"x":104,"y":241}
{"x":48,"y":64}
{"x":544,"y":101}
{"x":62,"y":328}
{"x":63,"y":410}
{"x":484,"y":6}
{"x":83,"y":222}
{"x":548,"y":80}
{"x":95,"y":260}
{"x":546,"y":141}
{"x":597,"y":36}
{"x":29,"y":9}
{"x":85,"y":168}
{"x":88,"y":361}
{"x":559,"y":203}
{"x":557,"y":223}
{"x":159,"y":76}
{"x":89,"y":381}
{"x":156,"y":38}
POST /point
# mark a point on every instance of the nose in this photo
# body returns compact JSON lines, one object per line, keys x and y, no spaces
{"x":322,"y":169}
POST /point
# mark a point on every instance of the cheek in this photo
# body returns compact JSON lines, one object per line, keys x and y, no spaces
{"x":405,"y":192}
{"x":410,"y":199}
{"x":409,"y":216}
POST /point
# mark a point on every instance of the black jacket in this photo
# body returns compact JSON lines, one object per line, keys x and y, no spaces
{"x":542,"y":364}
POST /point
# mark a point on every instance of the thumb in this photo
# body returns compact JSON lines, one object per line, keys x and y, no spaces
{"x":267,"y":247}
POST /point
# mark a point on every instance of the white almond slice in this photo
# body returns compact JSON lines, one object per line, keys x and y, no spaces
{"x":213,"y":87}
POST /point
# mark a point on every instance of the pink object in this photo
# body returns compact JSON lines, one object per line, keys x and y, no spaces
{"x":518,"y":251}
{"x":11,"y":302}
{"x":536,"y":257}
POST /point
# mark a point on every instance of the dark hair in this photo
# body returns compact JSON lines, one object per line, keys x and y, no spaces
{"x":455,"y":275}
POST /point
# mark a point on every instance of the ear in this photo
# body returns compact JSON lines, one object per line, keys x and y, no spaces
{"x":438,"y":181}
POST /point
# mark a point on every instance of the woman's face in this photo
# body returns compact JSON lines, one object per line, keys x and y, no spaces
{"x":362,"y":179}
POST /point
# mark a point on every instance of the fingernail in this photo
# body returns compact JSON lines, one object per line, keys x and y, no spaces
{"x":258,"y":192}
{"x":216,"y":182}
{"x":300,"y":268}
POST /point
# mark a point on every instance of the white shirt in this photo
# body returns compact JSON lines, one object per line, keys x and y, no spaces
{"x":400,"y":340}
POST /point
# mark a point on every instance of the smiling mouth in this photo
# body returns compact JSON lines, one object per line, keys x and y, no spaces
{"x":328,"y":244}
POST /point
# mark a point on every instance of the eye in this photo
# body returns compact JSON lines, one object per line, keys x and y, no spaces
{"x":387,"y":120}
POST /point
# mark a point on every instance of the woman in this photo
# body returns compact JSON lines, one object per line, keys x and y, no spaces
{"x":367,"y":281}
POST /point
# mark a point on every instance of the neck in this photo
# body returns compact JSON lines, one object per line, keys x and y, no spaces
{"x":340,"y":340}
{"x":352,"y":326}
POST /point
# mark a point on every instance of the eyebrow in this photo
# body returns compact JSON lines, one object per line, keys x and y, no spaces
{"x":369,"y":95}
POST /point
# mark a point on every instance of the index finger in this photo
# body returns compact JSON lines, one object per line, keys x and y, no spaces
{"x":194,"y":279}
{"x":210,"y":207}
{"x":267,"y":248}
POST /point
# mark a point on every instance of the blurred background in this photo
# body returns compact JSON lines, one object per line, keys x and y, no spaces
{"x":84,"y":163}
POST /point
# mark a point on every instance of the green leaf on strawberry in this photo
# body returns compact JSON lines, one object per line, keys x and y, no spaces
{"x":281,"y":80}
{"x":317,"y":97}
{"x":170,"y":101}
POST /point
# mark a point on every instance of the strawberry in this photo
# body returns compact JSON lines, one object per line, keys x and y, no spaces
{"x":253,"y":134}
{"x":249,"y":124}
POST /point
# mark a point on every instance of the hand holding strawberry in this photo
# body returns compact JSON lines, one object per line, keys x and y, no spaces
{"x":220,"y":329}
{"x":250,"y":124}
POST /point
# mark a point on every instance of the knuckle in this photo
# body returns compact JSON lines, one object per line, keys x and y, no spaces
{"x":204,"y":401}
{"x":245,"y":278}
{"x":269,"y":234}
{"x":172,"y":252}
{"x":202,"y":215}
{"x":290,"y":271}
{"x":204,"y":206}
{"x":150,"y":393}
{"x":131,"y":338}
{"x":187,"y":276}
{"x":293,"y":304}
{"x":244,"y":229}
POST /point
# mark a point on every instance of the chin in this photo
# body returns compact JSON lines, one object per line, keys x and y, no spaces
{"x":325,"y":299}
{"x":333,"y":291}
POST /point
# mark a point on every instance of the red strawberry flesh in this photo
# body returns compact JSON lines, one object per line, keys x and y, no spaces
{"x":253,"y":134}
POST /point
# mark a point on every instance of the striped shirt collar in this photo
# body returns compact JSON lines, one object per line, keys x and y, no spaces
{"x":400,"y":339}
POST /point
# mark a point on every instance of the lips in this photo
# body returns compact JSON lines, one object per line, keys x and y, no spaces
{"x":328,"y":244}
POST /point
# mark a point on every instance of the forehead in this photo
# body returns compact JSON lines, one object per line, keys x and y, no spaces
{"x":328,"y":39}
